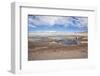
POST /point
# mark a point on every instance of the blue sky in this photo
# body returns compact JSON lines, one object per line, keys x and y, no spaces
{"x":40,"y":23}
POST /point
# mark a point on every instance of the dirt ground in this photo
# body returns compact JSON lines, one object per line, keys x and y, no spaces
{"x":49,"y":51}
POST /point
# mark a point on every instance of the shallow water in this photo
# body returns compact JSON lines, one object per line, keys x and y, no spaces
{"x":69,"y":42}
{"x":59,"y":39}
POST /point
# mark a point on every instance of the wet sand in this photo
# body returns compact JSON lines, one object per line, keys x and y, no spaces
{"x":48,"y":51}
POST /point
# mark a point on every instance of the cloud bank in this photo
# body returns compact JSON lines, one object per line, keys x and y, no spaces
{"x":57,"y":23}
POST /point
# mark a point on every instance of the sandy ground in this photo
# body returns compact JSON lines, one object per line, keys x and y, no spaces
{"x":46,"y":51}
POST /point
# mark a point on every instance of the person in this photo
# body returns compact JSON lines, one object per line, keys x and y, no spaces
{"x":77,"y":40}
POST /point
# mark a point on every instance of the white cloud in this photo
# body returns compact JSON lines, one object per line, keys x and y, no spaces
{"x":52,"y":20}
{"x":51,"y":31}
{"x":32,"y":26}
{"x":48,"y":20}
{"x":79,"y":22}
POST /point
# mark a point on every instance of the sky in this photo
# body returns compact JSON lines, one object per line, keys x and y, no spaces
{"x":42,"y":23}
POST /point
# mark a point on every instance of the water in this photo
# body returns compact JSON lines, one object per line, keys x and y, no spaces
{"x":70,"y":42}
{"x":60,"y":39}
